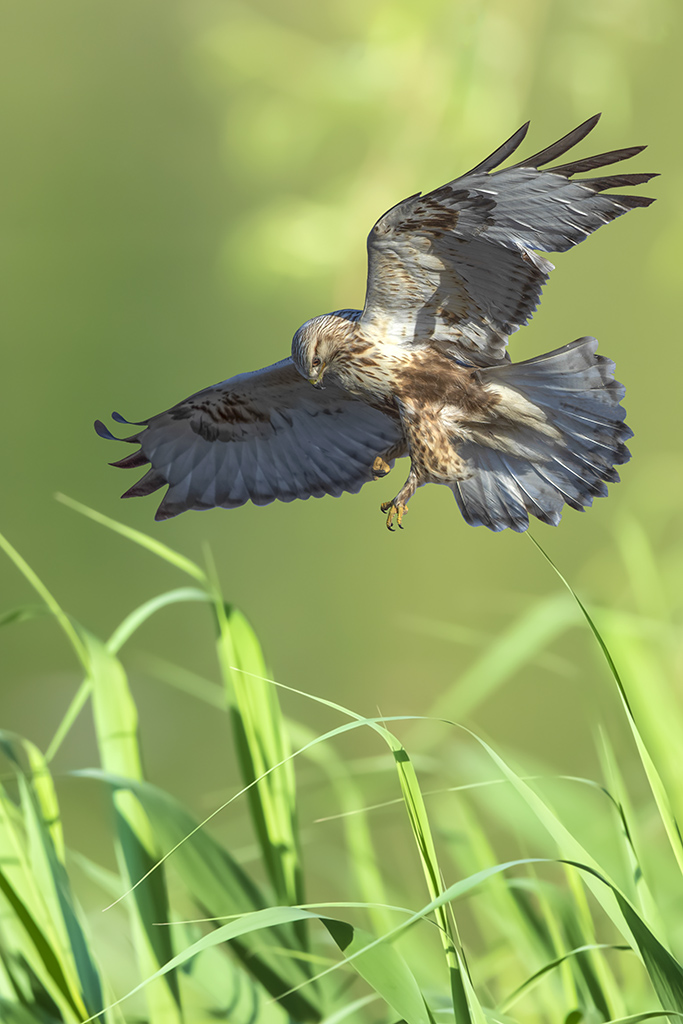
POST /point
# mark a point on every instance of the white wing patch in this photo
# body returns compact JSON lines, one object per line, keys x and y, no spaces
{"x":457,"y":267}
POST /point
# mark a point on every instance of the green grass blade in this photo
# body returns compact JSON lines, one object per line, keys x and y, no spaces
{"x":235,"y":930}
{"x":361,"y":858}
{"x":217,"y":883}
{"x":42,"y":946}
{"x":74,"y":709}
{"x":385,"y":971}
{"x":666,"y":973}
{"x":654,"y":779}
{"x":150,"y":543}
{"x":116,"y":722}
{"x":49,"y":872}
{"x":132,"y":622}
{"x":636,"y":1018}
{"x":40,"y":588}
{"x":262,"y":742}
{"x":538,"y":976}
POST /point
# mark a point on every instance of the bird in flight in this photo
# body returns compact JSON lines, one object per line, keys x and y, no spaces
{"x":422,"y":370}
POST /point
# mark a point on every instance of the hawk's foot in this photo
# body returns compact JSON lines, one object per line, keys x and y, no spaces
{"x":396,"y":511}
{"x":380,"y":468}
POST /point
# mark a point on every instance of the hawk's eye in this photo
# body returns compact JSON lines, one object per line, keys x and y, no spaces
{"x":316,"y":361}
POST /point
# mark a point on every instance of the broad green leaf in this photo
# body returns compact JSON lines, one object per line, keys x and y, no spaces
{"x":261,"y":742}
{"x":116,"y":723}
{"x":42,"y":946}
{"x":384,"y":969}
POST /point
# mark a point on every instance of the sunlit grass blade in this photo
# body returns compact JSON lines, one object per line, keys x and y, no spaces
{"x":232,"y":932}
{"x":633,"y":849}
{"x":535,"y":978}
{"x":261,"y":742}
{"x":40,"y":588}
{"x":116,"y":723}
{"x":362,"y":857}
{"x":137,"y":618}
{"x":656,"y":785}
{"x":76,"y":705}
{"x":665,"y":973}
{"x":42,"y":935}
{"x":591,"y":968}
{"x":278,"y":916}
{"x":385,"y":971}
{"x":218,"y":884}
{"x":150,"y":543}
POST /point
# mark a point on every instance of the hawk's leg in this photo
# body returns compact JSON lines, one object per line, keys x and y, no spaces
{"x":396,"y":512}
{"x":380,"y":468}
{"x":398,"y":506}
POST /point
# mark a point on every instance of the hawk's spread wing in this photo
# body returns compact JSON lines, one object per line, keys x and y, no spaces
{"x":257,"y":437}
{"x":457,"y":267}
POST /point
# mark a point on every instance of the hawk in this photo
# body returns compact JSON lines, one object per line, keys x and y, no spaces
{"x":422,"y":370}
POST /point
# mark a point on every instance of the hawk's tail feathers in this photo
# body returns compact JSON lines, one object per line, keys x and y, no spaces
{"x":559,"y":450}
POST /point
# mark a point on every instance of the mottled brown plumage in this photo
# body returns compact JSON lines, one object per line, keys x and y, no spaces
{"x":422,"y":370}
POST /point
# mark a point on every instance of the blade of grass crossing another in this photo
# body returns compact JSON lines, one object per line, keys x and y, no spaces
{"x":664,"y":971}
{"x":658,"y":790}
{"x":116,"y":721}
{"x":217,"y":883}
{"x":465,"y":1004}
{"x":262,"y":742}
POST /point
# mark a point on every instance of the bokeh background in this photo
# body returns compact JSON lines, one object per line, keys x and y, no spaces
{"x":184,"y":182}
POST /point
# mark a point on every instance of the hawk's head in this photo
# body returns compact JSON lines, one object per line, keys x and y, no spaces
{"x":316,"y":344}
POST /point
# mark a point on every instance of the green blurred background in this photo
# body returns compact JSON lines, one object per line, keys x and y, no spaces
{"x":184,"y":182}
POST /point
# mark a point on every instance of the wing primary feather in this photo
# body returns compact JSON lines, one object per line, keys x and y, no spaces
{"x":631,"y":202}
{"x":589,"y":163}
{"x":103,"y":431}
{"x":133,"y":461}
{"x":106,"y":433}
{"x":562,"y":145}
{"x":150,"y":482}
{"x":502,"y":153}
{"x":616,"y":181}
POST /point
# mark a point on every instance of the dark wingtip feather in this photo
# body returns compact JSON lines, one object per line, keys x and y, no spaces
{"x":618,"y":181}
{"x":589,"y":163}
{"x":502,"y":153}
{"x":167,"y":512}
{"x":106,"y":433}
{"x":150,"y":482}
{"x":133,"y":461}
{"x":631,"y":202}
{"x":562,"y":145}
{"x":103,"y":431}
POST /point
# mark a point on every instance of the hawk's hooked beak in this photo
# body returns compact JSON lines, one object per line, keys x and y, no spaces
{"x":317,"y":382}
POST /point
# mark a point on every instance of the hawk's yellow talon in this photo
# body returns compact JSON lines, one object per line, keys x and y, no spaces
{"x":394,"y":512}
